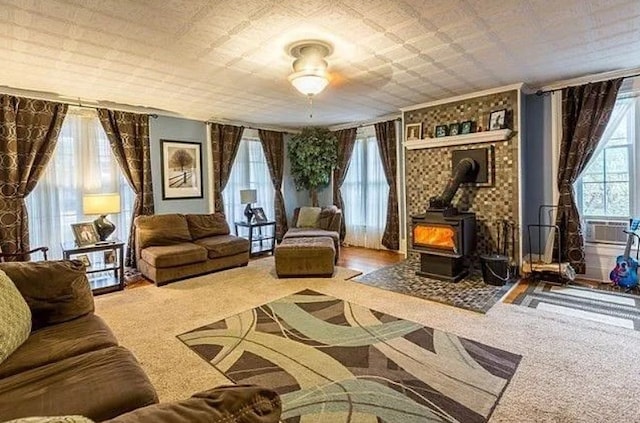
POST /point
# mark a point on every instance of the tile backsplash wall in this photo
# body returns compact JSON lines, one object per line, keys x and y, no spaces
{"x":428,"y":170}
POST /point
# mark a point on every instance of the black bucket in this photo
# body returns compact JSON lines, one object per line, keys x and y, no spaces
{"x":495,"y":269}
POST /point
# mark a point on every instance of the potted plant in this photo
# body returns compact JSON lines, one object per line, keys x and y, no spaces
{"x":313,"y":154}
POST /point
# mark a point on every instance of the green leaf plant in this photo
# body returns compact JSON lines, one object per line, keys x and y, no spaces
{"x":313,"y":155}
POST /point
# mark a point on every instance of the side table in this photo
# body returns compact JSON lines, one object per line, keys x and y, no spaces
{"x":100,"y":283}
{"x":266,"y":242}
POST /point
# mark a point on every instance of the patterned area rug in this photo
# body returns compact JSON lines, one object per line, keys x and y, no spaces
{"x":470,"y":293}
{"x":612,"y":308}
{"x":334,"y":361}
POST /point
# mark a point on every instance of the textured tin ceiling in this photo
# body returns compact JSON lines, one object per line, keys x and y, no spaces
{"x":226,"y":59}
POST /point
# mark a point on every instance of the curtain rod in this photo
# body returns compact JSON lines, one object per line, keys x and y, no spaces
{"x":552,"y":90}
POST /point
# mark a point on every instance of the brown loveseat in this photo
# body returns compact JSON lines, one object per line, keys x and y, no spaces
{"x":327,"y":225}
{"x":175,"y":246}
{"x":71,"y":363}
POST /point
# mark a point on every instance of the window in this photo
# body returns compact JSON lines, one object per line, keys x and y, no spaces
{"x":82,"y":163}
{"x":606,"y":187}
{"x":365,"y":193}
{"x":249,"y":171}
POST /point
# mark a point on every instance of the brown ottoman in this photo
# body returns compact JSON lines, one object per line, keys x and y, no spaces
{"x":313,"y":256}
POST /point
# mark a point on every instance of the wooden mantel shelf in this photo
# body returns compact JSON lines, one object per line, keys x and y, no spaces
{"x":475,"y":138}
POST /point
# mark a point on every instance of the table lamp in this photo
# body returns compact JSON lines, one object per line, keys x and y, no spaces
{"x":102,"y":204}
{"x":248,"y":196}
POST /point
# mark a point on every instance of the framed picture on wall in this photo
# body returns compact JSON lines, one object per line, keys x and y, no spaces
{"x":181,"y":170}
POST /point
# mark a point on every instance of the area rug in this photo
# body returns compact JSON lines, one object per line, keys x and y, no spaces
{"x":332,"y":360}
{"x":611,"y":308}
{"x":471,"y":293}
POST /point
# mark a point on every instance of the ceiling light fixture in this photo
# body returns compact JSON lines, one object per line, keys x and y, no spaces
{"x":310,"y":67}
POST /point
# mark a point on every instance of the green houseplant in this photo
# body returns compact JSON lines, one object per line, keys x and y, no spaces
{"x":313,"y":154}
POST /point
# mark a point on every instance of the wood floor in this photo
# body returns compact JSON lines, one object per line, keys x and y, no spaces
{"x":361,"y":259}
{"x":366,"y":260}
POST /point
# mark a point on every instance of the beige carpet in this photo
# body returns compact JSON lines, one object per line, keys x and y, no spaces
{"x":571,"y":371}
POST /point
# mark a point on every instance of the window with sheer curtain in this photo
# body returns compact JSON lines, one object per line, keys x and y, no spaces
{"x":81,"y":164}
{"x":606,"y":188}
{"x":249,"y":171}
{"x":365,"y":193}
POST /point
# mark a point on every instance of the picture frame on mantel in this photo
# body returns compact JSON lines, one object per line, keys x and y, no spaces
{"x":441,"y":131}
{"x":181,"y":168}
{"x":498,"y":120}
{"x":413,"y":131}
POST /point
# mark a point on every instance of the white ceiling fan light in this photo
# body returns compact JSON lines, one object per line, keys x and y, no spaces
{"x":310,"y":75}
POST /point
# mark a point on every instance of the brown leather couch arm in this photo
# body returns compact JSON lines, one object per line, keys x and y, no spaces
{"x":336,"y":221}
{"x":56,"y":291}
{"x":224,"y":404}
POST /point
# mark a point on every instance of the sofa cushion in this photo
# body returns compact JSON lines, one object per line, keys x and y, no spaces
{"x":162,"y":229}
{"x":56,"y":291}
{"x":224,"y":245}
{"x":223,"y":404}
{"x":326,"y":217}
{"x":57,"y":342}
{"x":310,"y":232}
{"x":15,"y":318}
{"x":308,"y":217}
{"x":205,"y":225}
{"x":174,"y":255}
{"x":99,"y":385}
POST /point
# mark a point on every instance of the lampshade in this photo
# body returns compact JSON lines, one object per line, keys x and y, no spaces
{"x":309,"y":82}
{"x":248,"y":196}
{"x":101,"y":204}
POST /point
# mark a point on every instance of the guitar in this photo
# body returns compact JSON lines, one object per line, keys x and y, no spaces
{"x":625,"y":274}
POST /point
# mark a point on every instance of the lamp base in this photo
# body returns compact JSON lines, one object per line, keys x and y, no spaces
{"x":248,"y":212}
{"x":104,"y":227}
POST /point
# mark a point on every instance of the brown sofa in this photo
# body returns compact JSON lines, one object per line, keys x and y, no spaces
{"x":175,"y":246}
{"x":328,"y":225}
{"x":71,"y":363}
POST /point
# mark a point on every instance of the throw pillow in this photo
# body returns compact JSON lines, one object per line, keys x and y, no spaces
{"x":15,"y":317}
{"x":308,"y":217}
{"x":56,"y":419}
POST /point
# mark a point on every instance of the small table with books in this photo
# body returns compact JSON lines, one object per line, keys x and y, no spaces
{"x":105,"y":271}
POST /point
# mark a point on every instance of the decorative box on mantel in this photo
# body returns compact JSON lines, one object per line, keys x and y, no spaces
{"x":427,"y":164}
{"x":475,"y":138}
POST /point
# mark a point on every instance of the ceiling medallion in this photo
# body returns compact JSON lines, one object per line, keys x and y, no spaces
{"x":310,"y":67}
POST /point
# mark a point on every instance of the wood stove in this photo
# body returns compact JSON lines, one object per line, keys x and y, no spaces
{"x":443,"y":243}
{"x":443,"y":236}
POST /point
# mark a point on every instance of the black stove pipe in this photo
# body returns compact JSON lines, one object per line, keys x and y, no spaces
{"x":464,"y":168}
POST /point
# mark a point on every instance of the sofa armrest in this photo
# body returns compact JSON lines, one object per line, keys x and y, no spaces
{"x":238,"y":403}
{"x":336,"y":221}
{"x":56,"y":291}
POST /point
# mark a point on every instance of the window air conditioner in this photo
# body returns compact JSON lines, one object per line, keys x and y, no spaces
{"x":606,"y":231}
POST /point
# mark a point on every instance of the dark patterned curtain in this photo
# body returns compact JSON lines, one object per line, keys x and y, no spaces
{"x":346,"y":142}
{"x":225,"y":140}
{"x":128,"y":135}
{"x":386,"y":137}
{"x":273,"y":146}
{"x":585,"y":113}
{"x":28,"y":135}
